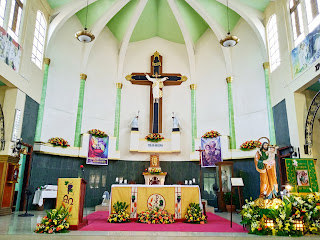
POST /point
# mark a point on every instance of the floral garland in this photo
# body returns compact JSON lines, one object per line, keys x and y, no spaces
{"x":154,"y":137}
{"x":249,"y":145}
{"x":194,"y":214}
{"x":56,"y":141}
{"x":294,"y":216}
{"x":119,"y":215}
{"x":55,"y":221}
{"x":97,"y":133}
{"x":155,"y":170}
{"x":211,"y":134}
{"x":155,"y":216}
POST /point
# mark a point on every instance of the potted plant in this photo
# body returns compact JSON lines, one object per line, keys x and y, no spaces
{"x":227,"y":200}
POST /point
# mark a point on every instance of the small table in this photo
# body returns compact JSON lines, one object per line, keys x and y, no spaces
{"x":154,"y":179}
{"x":40,"y":195}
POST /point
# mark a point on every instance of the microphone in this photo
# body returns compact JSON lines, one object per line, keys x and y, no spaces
{"x":82,"y":170}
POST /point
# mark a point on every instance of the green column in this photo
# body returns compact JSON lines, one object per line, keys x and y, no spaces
{"x":37,"y":136}
{"x":193,"y":88}
{"x":77,"y":136}
{"x":117,"y":114}
{"x":269,"y":106}
{"x":232,"y":131}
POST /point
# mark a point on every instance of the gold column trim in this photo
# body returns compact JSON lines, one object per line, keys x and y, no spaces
{"x":83,"y":76}
{"x":46,"y":61}
{"x":229,"y":79}
{"x":266,"y":65}
{"x":119,"y":85}
{"x":129,"y":77}
{"x":193,"y":86}
{"x":183,"y":79}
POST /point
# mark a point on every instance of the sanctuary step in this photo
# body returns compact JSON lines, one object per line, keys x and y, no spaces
{"x":101,"y":208}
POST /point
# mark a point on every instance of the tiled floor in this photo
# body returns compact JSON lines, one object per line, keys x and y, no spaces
{"x":14,"y":227}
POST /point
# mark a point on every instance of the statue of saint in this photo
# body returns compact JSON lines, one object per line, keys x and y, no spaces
{"x":175,"y":124}
{"x":135,"y":123}
{"x":265,"y":164}
{"x":156,"y":86}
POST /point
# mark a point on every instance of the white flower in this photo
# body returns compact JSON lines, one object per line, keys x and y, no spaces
{"x":295,"y":163}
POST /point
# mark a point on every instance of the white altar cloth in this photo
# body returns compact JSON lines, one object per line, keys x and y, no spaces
{"x":39,"y":195}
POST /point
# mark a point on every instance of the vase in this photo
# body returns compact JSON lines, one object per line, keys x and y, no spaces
{"x":229,"y":208}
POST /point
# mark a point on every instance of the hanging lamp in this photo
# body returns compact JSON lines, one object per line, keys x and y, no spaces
{"x":229,"y":40}
{"x":85,"y":36}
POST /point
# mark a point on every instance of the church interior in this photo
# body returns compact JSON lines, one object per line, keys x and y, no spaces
{"x":198,"y":114}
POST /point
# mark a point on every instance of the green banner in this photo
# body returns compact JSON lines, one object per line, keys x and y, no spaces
{"x":301,"y":175}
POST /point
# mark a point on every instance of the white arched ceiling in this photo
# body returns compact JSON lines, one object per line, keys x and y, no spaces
{"x":254,"y":18}
{"x":127,"y":36}
{"x":187,"y":39}
{"x":64,"y":13}
{"x":217,"y":29}
{"x":98,"y":27}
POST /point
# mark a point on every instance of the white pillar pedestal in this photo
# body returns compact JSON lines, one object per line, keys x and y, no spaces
{"x":150,"y":179}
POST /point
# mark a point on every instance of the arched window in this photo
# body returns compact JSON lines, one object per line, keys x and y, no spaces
{"x":15,"y":18}
{"x":273,"y":42}
{"x":312,"y":7}
{"x":38,"y":40}
{"x":2,"y":11}
{"x":296,"y":21}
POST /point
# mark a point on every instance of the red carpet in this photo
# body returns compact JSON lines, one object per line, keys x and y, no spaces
{"x":98,"y":222}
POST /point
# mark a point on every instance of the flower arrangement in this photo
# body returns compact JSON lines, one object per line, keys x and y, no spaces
{"x":56,"y":141}
{"x":97,"y":133}
{"x":119,"y":215}
{"x":154,"y":170}
{"x":293,"y":216}
{"x":154,"y":137}
{"x":194,"y":214}
{"x":211,"y":134}
{"x":249,"y":145}
{"x":55,"y":221}
{"x":155,"y":216}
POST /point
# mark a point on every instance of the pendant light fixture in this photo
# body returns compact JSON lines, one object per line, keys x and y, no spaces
{"x":85,"y":36}
{"x":229,"y":40}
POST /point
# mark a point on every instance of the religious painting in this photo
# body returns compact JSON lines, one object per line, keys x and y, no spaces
{"x":301,"y":175}
{"x":10,"y":50}
{"x":306,"y":53}
{"x":212,"y":152}
{"x":98,"y":150}
{"x":154,"y":161}
{"x":302,"y":178}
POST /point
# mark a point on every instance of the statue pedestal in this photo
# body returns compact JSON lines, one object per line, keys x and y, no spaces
{"x":154,"y":179}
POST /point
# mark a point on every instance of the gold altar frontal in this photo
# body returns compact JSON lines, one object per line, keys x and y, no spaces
{"x":173,"y":198}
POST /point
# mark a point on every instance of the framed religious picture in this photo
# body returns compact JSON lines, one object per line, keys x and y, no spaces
{"x":301,"y":175}
{"x":154,"y":161}
{"x":225,"y":173}
{"x":211,"y":155}
{"x":302,"y":178}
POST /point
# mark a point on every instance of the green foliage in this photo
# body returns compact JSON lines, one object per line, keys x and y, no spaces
{"x":120,"y":207}
{"x":227,"y":198}
{"x":194,"y":214}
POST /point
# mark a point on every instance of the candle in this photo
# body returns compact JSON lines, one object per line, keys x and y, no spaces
{"x":193,"y":180}
{"x":117,"y":179}
{"x":125,"y":181}
{"x":190,"y":182}
{"x":186,"y":182}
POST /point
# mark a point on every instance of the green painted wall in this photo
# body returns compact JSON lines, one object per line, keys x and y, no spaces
{"x":257,"y":4}
{"x":57,"y":3}
{"x":95,"y":11}
{"x":194,"y":22}
{"x":218,"y":12}
{"x":119,"y":23}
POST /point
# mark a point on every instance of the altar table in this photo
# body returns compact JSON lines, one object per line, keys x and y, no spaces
{"x":40,"y":195}
{"x":173,"y":198}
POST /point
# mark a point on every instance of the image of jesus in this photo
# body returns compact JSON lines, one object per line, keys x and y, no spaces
{"x":157,"y":84}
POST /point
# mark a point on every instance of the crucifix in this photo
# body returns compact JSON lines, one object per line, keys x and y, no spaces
{"x":167,"y":79}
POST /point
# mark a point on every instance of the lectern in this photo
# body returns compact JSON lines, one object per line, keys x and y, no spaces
{"x":71,"y":192}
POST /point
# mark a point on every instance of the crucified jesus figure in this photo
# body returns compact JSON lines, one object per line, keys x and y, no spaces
{"x":156,"y":86}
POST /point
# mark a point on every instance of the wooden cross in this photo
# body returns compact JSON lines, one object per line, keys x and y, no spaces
{"x":155,"y":123}
{"x":200,"y":172}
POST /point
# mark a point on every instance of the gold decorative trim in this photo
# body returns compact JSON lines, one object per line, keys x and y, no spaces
{"x":85,"y":32}
{"x":119,"y":85}
{"x":161,"y":174}
{"x":266,"y":65}
{"x":156,"y":54}
{"x":183,"y":79}
{"x":129,"y":77}
{"x":228,"y":38}
{"x":83,"y":76}
{"x":229,"y":79}
{"x":193,"y":86}
{"x":46,"y":61}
